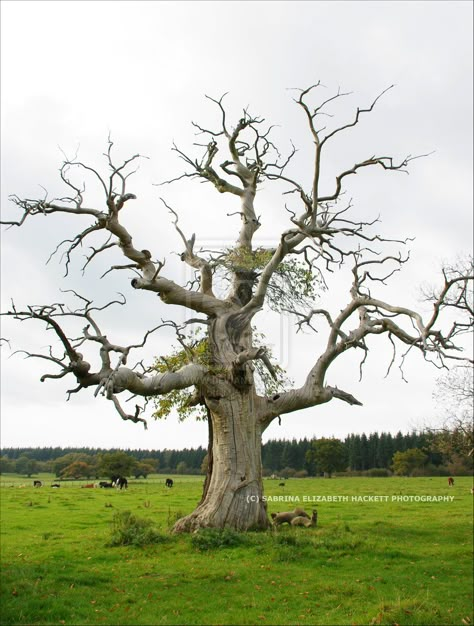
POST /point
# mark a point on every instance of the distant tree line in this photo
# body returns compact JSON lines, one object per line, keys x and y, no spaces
{"x":356,"y":453}
{"x":99,"y":462}
{"x":377,"y":454}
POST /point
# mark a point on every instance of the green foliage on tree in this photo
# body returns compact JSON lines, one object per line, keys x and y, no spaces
{"x":26,"y":466}
{"x":204,"y":465}
{"x":7,"y":465}
{"x":328,"y":454}
{"x":66,"y":460}
{"x":78,"y":469}
{"x":182,"y":468}
{"x":116,"y":463}
{"x":143,"y":469}
{"x":195,"y":349}
{"x":404,"y":463}
{"x":294,"y":284}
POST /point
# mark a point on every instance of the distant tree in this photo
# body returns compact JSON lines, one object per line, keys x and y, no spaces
{"x":7,"y":466}
{"x":455,"y":394}
{"x":460,"y":465}
{"x":181,"y":468}
{"x":204,"y":464}
{"x":355,"y":461}
{"x":25,"y":465}
{"x":143,"y":469}
{"x":68,"y":459}
{"x":329,"y":455}
{"x":309,"y":464}
{"x":404,"y":463}
{"x":364,"y":452}
{"x":400,"y":444}
{"x":385,"y":450}
{"x":78,"y":469}
{"x":301,"y":474}
{"x":287,"y":472}
{"x":154,"y":463}
{"x":45,"y":466}
{"x":116,"y":463}
{"x":372,"y":445}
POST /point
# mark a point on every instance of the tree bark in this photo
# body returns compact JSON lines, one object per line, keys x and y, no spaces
{"x":234,"y":496}
{"x":209,"y":457}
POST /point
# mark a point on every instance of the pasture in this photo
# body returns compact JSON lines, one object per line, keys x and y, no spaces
{"x":386,"y":561}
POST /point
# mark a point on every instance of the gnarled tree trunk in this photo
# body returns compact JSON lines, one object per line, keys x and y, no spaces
{"x":234,"y":492}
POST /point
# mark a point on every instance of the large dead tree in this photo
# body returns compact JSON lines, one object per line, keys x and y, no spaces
{"x":323,"y":235}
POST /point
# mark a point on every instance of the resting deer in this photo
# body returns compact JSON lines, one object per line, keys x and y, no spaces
{"x":304,"y":521}
{"x":287,"y":516}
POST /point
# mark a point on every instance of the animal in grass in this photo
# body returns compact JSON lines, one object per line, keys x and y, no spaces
{"x":122,"y":483}
{"x":287,"y":516}
{"x":281,"y":485}
{"x":105,"y":485}
{"x":304,"y":521}
{"x":450,"y":481}
{"x":169,"y":483}
{"x":119,"y":481}
{"x":472,"y":490}
{"x":55,"y":486}
{"x":37,"y":483}
{"x":88,"y":486}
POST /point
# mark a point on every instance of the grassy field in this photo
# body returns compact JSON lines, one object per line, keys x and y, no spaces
{"x":390,"y":561}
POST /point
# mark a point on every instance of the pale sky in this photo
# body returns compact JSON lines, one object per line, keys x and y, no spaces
{"x":73,"y":72}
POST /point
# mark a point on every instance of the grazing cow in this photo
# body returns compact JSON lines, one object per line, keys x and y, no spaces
{"x":304,"y":521}
{"x":37,"y":483}
{"x":450,"y":481}
{"x":287,"y":516}
{"x":169,"y":482}
{"x":88,"y":486}
{"x":105,"y":485}
{"x":281,"y":485}
{"x":121,"y":483}
{"x":55,"y":486}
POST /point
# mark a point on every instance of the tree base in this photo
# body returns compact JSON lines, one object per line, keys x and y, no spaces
{"x":236,"y":517}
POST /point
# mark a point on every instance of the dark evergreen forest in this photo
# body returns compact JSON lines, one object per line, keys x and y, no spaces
{"x":279,"y":456}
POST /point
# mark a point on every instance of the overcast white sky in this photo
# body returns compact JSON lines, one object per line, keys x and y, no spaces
{"x":74,"y":71}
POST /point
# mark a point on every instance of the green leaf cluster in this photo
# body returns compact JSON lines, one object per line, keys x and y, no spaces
{"x":179,"y":399}
{"x":295,"y":283}
{"x":245,"y":259}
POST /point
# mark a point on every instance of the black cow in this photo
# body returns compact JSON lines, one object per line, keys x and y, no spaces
{"x":37,"y":483}
{"x":120,"y":483}
{"x":105,"y":485}
{"x":55,"y":486}
{"x":169,"y":482}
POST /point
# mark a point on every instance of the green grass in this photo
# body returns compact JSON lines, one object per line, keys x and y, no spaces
{"x":366,"y":562}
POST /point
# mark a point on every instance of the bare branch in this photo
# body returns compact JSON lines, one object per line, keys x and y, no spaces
{"x":358,"y":113}
{"x":191,"y":258}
